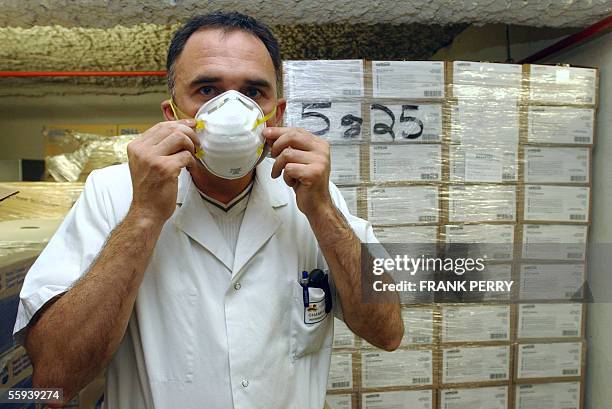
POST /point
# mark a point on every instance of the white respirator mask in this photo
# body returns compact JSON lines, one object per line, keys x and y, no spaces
{"x":230,"y":128}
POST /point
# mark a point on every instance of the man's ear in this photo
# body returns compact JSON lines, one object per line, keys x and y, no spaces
{"x":167,"y":111}
{"x":281,"y":105}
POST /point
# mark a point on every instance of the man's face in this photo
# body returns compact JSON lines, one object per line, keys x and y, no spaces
{"x":213,"y":62}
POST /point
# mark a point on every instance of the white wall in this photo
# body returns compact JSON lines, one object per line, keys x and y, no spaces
{"x":598,"y":53}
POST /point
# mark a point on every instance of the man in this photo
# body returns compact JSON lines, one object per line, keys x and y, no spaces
{"x":184,"y":284}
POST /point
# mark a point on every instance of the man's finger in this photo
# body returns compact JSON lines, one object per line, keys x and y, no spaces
{"x":294,"y":139}
{"x":180,"y":160}
{"x":297,"y":172}
{"x":290,"y":155}
{"x":173,"y":143}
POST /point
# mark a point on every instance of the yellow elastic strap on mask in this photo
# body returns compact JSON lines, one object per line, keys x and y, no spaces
{"x":264,"y":118}
{"x":199,"y":124}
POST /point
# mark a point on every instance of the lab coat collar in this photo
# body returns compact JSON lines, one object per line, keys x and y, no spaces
{"x":260,"y":220}
{"x":275,"y":189}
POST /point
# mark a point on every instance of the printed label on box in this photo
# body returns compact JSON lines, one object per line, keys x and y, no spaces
{"x":497,"y":125}
{"x":552,"y":281}
{"x":549,"y":360}
{"x":475,"y":364}
{"x":350,"y":197}
{"x":471,"y":164}
{"x":557,"y":203}
{"x":418,"y":327}
{"x":557,"y":165}
{"x":398,"y":368}
{"x":564,"y":395}
{"x":482,"y":203}
{"x":408,"y":79}
{"x":327,"y":79}
{"x":413,"y":163}
{"x":403,"y":204}
{"x":493,"y":272}
{"x":491,"y":241}
{"x":407,"y":234}
{"x":340,"y":372}
{"x":345,"y":162}
{"x":334,"y":121}
{"x":495,"y":397}
{"x":398,"y":400}
{"x":562,"y":85}
{"x":343,"y":336}
{"x":560,"y":125}
{"x":554,"y":242}
{"x":405,"y":122}
{"x":549,"y":320}
{"x":475,"y":323}
{"x":344,"y":401}
{"x":476,"y":79}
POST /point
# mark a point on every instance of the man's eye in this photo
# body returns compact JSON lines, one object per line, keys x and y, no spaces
{"x":207,"y":90}
{"x":252,"y":93}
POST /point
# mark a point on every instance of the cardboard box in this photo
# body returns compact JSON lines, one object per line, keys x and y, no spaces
{"x":341,"y":401}
{"x":475,"y":323}
{"x":492,"y":397}
{"x":492,"y":272}
{"x":494,"y":164}
{"x":410,"y":163}
{"x":481,"y":80}
{"x":400,"y":368}
{"x":133,"y":129}
{"x":489,"y":241}
{"x":343,"y":336}
{"x":557,"y":165}
{"x":425,"y":235}
{"x":345,"y":164}
{"x":556,"y":281}
{"x":322,"y":80}
{"x":545,"y":203}
{"x":402,"y":205}
{"x":495,"y":127}
{"x":559,"y":125}
{"x":15,"y":367}
{"x":350,"y":196}
{"x":554,"y":241}
{"x":419,"y":327}
{"x":402,"y":399}
{"x":335,"y":121}
{"x":566,"y":395}
{"x":405,"y":121}
{"x":340,"y":372}
{"x":561,"y":85}
{"x":56,"y":141}
{"x":481,"y":203}
{"x":412,"y":80}
{"x":470,"y":364}
{"x":556,"y":320}
{"x":39,"y":200}
{"x":550,"y":360}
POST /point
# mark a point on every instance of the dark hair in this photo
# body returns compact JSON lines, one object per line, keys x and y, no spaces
{"x":227,"y":21}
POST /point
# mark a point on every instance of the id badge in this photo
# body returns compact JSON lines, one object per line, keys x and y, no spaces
{"x":315,"y":311}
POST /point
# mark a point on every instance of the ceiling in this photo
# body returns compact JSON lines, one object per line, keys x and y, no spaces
{"x":98,"y":35}
{"x":108,"y":13}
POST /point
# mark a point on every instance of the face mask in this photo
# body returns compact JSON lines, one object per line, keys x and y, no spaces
{"x":230,"y":127}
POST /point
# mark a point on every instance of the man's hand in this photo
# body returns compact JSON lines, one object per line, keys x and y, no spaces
{"x":304,"y":162}
{"x":156,"y":159}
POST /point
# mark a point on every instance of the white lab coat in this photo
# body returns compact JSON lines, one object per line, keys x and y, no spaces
{"x":207,"y":330}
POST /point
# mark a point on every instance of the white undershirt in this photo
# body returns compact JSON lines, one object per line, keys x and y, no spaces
{"x":229,"y":216}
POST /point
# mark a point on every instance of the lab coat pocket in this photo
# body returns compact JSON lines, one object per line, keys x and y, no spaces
{"x":177,"y":338}
{"x":311,"y":325}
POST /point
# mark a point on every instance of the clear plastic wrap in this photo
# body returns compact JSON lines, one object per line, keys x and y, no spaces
{"x":491,"y":160}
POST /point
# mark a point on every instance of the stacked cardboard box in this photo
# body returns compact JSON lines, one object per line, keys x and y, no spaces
{"x":29,"y":215}
{"x":492,"y":156}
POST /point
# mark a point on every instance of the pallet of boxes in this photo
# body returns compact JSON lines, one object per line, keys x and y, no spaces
{"x":490,"y":158}
{"x":30,"y":212}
